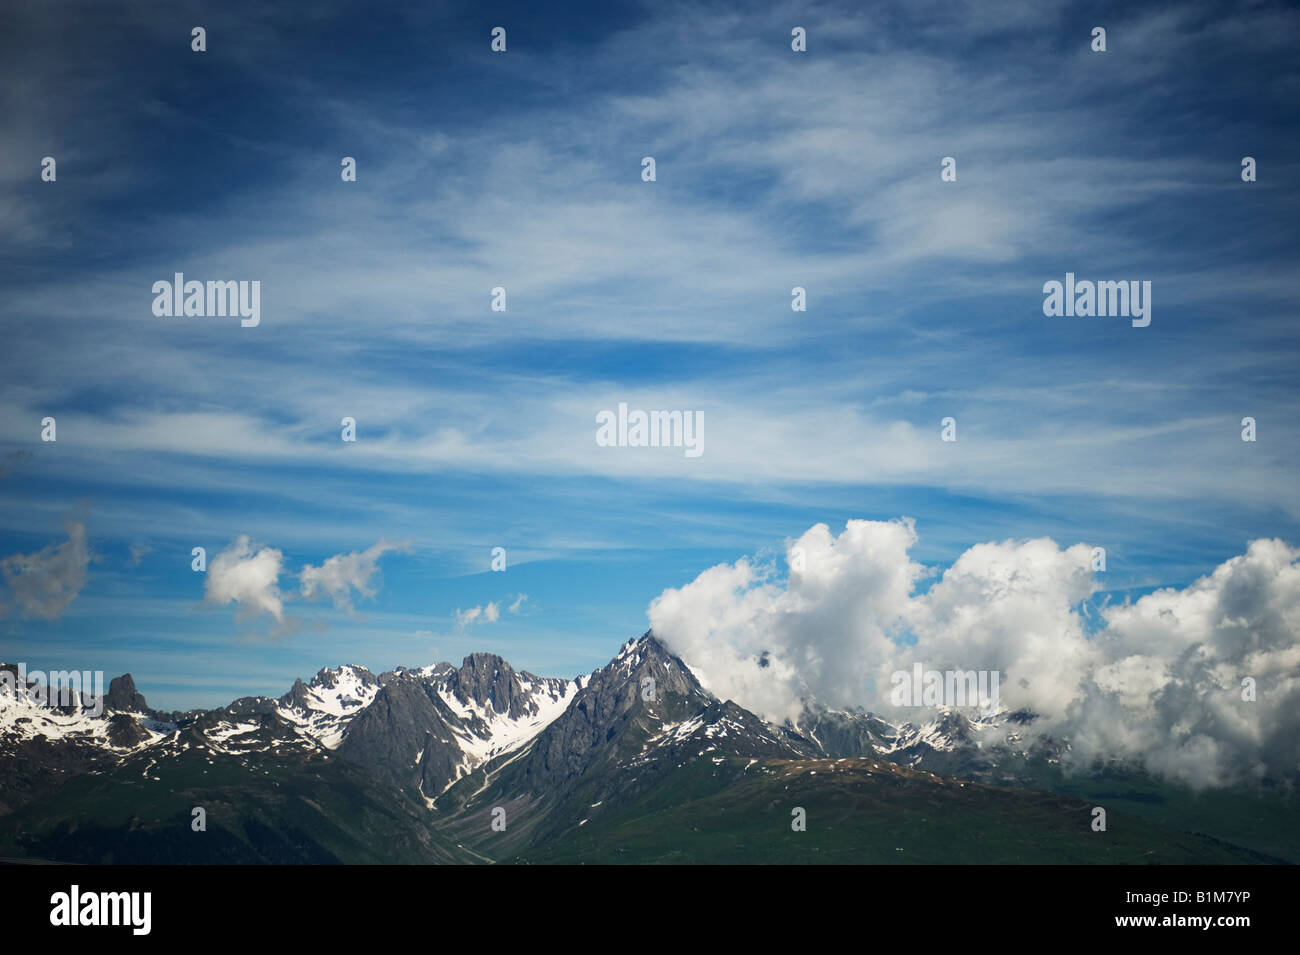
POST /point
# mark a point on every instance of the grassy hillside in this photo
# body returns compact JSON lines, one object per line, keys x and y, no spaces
{"x":1267,"y":821}
{"x":272,"y":810}
{"x":863,"y":811}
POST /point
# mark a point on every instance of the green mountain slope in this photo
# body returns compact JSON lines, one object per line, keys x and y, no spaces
{"x":280,"y":805}
{"x":864,"y":811}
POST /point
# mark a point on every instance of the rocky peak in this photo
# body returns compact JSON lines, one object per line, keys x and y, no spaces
{"x":123,"y":697}
{"x":488,"y":680}
{"x":328,"y":678}
{"x":297,"y":695}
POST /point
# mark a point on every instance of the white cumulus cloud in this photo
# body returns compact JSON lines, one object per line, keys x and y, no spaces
{"x":1160,"y":682}
{"x":342,"y":575}
{"x":249,"y":577}
{"x":488,"y":613}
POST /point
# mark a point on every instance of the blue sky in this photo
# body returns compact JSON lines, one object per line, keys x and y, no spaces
{"x":523,"y":170}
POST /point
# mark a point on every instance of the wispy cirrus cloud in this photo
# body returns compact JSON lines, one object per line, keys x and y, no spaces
{"x":775,"y":170}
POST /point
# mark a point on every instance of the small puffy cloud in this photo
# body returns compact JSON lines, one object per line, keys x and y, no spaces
{"x":138,"y":553}
{"x":519,"y":602}
{"x":489,"y":613}
{"x":248,"y":577}
{"x":43,"y":584}
{"x":342,"y":575}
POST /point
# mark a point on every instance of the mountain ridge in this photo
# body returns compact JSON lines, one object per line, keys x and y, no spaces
{"x":483,"y":762}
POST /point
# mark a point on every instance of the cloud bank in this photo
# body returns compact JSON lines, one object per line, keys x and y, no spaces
{"x":1158,"y":681}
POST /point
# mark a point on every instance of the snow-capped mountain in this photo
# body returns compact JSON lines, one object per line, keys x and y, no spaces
{"x":954,"y":742}
{"x":629,"y":727}
{"x":123,"y":720}
{"x":418,"y":764}
{"x":430,"y":727}
{"x":324,"y":708}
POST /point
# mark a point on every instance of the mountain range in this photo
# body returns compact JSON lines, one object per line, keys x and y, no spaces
{"x":634,"y":762}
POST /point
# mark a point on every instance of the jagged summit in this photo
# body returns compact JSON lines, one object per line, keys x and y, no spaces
{"x":637,"y":756}
{"x":123,"y":697}
{"x":500,"y":731}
